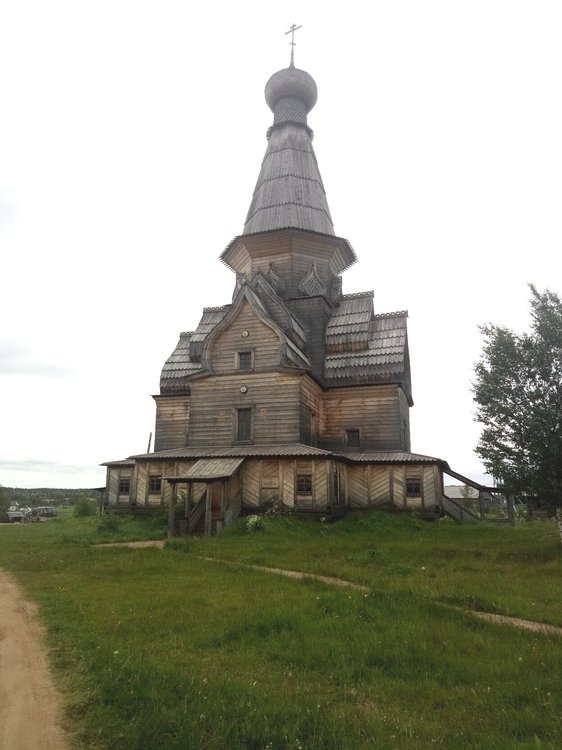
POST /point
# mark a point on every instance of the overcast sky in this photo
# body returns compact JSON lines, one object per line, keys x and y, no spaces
{"x":131,"y":137}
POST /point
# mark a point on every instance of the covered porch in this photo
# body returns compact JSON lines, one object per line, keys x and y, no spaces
{"x":209,"y":495}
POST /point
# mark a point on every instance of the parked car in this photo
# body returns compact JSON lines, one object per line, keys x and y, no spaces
{"x":41,"y":513}
{"x":14,"y":516}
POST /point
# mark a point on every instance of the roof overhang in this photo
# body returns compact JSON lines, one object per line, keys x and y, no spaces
{"x":209,"y":470}
{"x":253,"y":245}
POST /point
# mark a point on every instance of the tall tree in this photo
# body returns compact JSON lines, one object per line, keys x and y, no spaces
{"x":4,"y":503}
{"x":518,"y":392}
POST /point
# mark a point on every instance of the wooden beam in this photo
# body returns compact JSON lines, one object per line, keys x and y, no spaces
{"x":171,"y":512}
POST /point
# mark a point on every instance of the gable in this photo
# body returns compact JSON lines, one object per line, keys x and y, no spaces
{"x":261,"y":340}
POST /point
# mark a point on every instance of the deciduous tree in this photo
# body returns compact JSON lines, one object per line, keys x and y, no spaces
{"x":518,"y":392}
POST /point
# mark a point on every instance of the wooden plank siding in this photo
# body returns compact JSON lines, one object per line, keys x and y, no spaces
{"x":432,"y":483}
{"x":358,"y":481}
{"x":288,"y":483}
{"x":251,"y":484}
{"x":311,"y":406}
{"x":273,"y":397}
{"x":172,"y":422}
{"x":380,"y":485}
{"x":320,"y":479}
{"x":291,"y":255}
{"x":369,"y":485}
{"x":404,"y":411}
{"x":269,"y":487}
{"x":113,"y":486}
{"x":270,"y":481}
{"x":141,"y":484}
{"x":374,"y":410}
{"x":114,"y":475}
{"x":262,"y":340}
{"x":398,"y":486}
{"x":313,"y":313}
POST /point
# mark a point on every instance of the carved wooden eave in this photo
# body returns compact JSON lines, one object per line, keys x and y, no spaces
{"x":243,"y":249}
{"x":312,"y":285}
{"x":289,"y":353}
{"x":276,"y":282}
{"x":277,"y":309}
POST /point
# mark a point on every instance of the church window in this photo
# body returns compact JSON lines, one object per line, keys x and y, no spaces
{"x":155,"y":485}
{"x":124,"y":486}
{"x":244,"y":424}
{"x":353,"y":438}
{"x":245,"y":360}
{"x":304,"y":484}
{"x":413,"y":487}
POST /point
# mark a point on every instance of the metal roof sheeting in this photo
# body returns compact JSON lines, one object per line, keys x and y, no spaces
{"x":214,"y":468}
{"x":295,"y":450}
{"x":391,"y":457}
{"x":246,"y":451}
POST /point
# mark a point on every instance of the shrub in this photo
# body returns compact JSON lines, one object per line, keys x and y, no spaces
{"x":254,"y":523}
{"x":85,"y":507}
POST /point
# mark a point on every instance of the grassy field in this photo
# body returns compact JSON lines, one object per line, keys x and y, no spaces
{"x":162,"y":650}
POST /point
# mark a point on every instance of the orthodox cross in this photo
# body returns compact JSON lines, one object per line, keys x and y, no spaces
{"x":291,"y":31}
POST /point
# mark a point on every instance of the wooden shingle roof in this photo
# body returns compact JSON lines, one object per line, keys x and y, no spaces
{"x":179,"y":367}
{"x":349,"y":325}
{"x":185,"y":360}
{"x":289,"y":191}
{"x":366,"y":348}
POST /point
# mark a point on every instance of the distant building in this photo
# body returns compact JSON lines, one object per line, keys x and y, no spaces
{"x":294,"y":394}
{"x":461,"y":492}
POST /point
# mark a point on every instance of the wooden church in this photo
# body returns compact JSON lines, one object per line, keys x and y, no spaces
{"x":293,"y":395}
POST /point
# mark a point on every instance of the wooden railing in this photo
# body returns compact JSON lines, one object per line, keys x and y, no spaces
{"x":455,"y":511}
{"x":196,"y":512}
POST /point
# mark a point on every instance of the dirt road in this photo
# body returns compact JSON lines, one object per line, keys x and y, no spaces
{"x":29,"y":703}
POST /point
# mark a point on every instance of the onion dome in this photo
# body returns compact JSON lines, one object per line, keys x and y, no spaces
{"x":290,"y":94}
{"x":289,"y":192}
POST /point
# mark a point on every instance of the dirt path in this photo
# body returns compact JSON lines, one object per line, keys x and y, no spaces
{"x":538,"y":627}
{"x":29,"y":703}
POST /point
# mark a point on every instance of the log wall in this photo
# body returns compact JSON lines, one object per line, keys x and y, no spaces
{"x":374,"y":410}
{"x":273,"y":397}
{"x":172,"y":422}
{"x":262,"y":340}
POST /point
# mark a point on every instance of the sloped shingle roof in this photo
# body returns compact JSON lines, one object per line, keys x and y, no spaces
{"x":367,"y":351}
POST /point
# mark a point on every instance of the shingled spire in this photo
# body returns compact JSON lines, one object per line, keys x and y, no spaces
{"x":289,"y":192}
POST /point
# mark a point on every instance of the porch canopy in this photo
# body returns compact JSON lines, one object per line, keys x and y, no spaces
{"x":209,"y":470}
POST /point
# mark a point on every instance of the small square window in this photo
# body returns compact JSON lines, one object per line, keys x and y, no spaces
{"x":413,"y":487}
{"x":155,"y":485}
{"x":245,"y":360}
{"x":353,"y":438}
{"x":304,"y":484}
{"x":244,"y":425}
{"x":124,"y":486}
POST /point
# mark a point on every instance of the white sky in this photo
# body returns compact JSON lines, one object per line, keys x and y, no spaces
{"x":131,"y":136}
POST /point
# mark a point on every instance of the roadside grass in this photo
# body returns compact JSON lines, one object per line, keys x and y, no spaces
{"x":161,"y":650}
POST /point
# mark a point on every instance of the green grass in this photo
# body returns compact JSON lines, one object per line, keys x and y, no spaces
{"x":161,"y":650}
